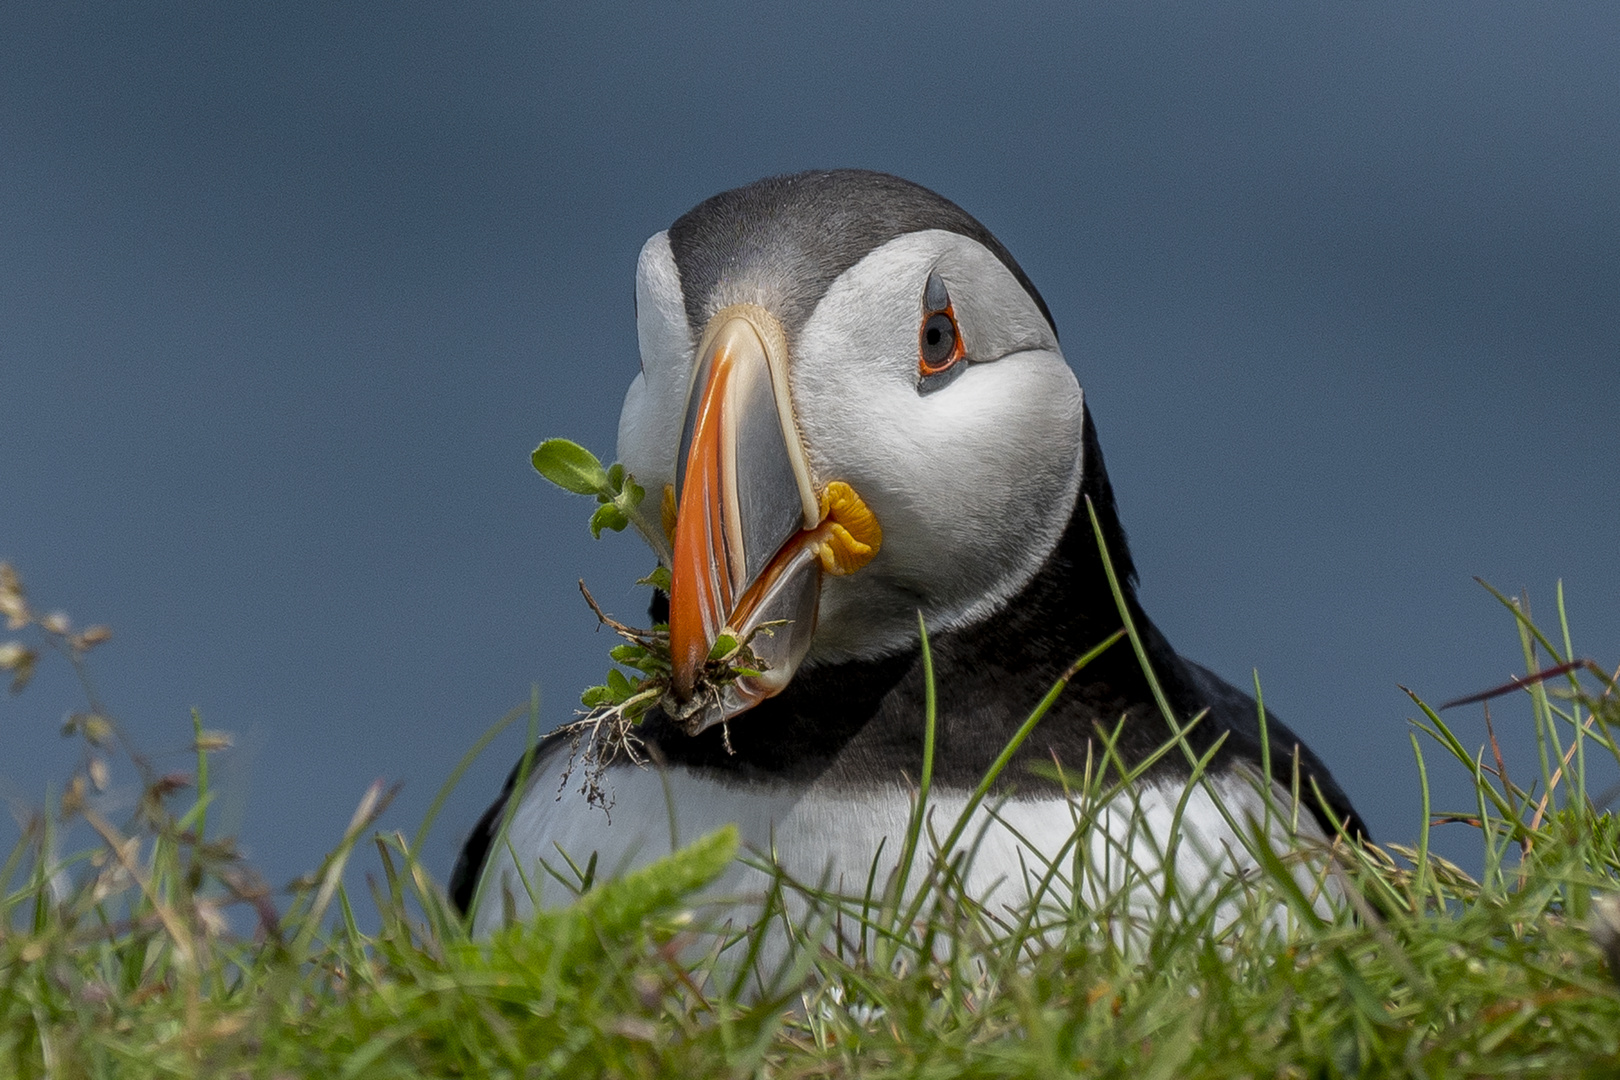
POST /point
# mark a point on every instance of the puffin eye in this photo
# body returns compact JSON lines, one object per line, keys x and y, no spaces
{"x":938,"y":347}
{"x":939,"y":342}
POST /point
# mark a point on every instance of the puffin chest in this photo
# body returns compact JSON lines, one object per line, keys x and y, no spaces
{"x":848,"y":840}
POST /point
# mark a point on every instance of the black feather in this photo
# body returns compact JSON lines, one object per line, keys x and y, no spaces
{"x":861,"y":723}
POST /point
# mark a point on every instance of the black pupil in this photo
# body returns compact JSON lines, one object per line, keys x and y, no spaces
{"x":939,"y":339}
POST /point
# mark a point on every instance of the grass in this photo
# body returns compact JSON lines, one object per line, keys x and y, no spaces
{"x":157,"y":952}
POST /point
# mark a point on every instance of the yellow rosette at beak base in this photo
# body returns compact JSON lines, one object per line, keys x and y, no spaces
{"x":849,"y":535}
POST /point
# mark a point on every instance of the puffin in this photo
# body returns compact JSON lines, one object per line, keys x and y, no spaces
{"x":855,"y":426}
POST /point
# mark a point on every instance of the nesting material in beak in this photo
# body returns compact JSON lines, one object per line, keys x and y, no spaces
{"x":752,"y":534}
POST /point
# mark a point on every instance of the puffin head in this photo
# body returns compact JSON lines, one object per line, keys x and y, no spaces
{"x":852,"y":408}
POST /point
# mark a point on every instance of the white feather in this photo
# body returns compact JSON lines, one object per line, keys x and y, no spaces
{"x":650,"y":423}
{"x":837,"y":835}
{"x":972,"y":483}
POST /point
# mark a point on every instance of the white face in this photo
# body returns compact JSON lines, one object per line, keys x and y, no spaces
{"x":972,"y":480}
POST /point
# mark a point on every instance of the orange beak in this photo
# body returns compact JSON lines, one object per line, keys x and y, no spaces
{"x":746,"y":525}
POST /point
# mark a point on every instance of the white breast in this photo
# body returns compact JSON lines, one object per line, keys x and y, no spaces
{"x":837,"y":835}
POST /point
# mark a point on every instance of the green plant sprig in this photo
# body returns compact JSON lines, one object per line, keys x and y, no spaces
{"x":615,"y":708}
{"x":643,"y":677}
{"x":573,"y":468}
{"x":647,"y":651}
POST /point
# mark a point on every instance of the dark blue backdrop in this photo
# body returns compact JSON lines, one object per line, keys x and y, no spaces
{"x":287,"y":296}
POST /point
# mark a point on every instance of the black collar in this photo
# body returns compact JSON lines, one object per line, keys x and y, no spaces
{"x":861,"y":723}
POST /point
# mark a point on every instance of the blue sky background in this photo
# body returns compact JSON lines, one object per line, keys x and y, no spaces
{"x":288,"y":293}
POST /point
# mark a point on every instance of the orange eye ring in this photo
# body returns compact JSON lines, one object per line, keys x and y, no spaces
{"x":939,"y":342}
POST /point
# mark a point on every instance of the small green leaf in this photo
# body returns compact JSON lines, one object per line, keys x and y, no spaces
{"x":658,"y":579}
{"x":724,"y":646}
{"x":619,"y":686}
{"x":615,"y":476}
{"x":627,"y":653}
{"x":571,"y":467}
{"x":595,"y":696}
{"x":630,"y":495}
{"x":649,"y":663}
{"x":608,"y":516}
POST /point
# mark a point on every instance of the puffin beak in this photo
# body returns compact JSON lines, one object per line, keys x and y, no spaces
{"x":752,"y":534}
